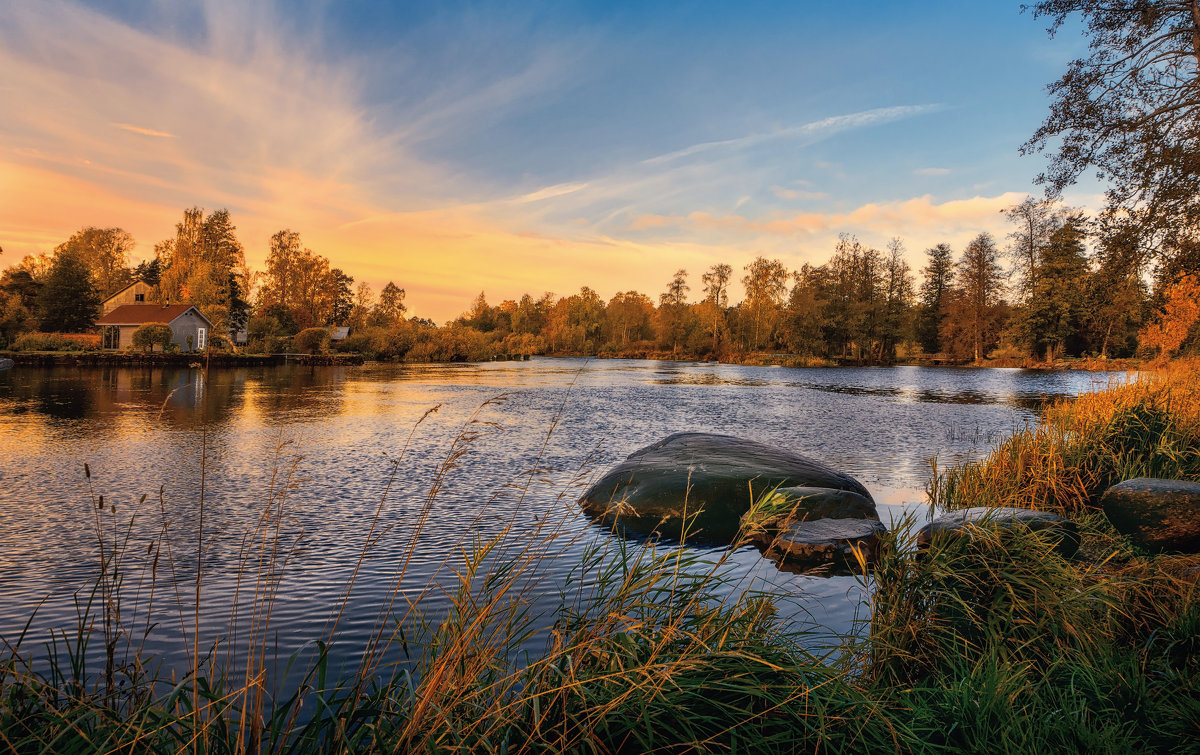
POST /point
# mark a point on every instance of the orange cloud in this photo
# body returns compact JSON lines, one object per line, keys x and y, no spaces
{"x":144,"y":131}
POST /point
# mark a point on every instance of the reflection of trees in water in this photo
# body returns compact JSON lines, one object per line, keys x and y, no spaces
{"x":294,"y":391}
{"x":183,"y":398}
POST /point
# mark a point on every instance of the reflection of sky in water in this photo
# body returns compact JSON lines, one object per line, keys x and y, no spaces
{"x":560,"y":424}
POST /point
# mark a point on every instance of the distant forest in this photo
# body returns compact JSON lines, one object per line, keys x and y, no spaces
{"x":1059,"y":285}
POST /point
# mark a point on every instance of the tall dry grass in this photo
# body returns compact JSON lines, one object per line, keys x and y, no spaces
{"x":1149,"y":427}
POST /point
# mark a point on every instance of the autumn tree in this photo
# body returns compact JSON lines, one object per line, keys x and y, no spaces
{"x":1054,"y":314}
{"x":1035,"y":221}
{"x":628,"y":317}
{"x":897,"y":302}
{"x":677,"y":289}
{"x":530,"y":315}
{"x":204,"y":264}
{"x":19,"y":295}
{"x":803,"y":319}
{"x":1173,"y":325}
{"x":1129,"y":110}
{"x":105,"y":252}
{"x":1116,"y":296}
{"x":1181,"y":257}
{"x":854,"y":296}
{"x":364,"y":302}
{"x":300,"y":285}
{"x":573,"y":324}
{"x":37,"y":265}
{"x":766,"y":286}
{"x":716,"y":284}
{"x":391,"y":307}
{"x":480,"y":316}
{"x":973,"y":306}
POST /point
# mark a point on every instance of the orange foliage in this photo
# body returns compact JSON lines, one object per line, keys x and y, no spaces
{"x":1180,"y":312}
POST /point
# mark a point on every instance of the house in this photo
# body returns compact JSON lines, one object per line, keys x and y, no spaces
{"x":138,"y":292}
{"x":117,"y":326}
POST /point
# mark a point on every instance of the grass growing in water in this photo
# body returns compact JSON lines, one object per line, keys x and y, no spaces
{"x":993,"y":643}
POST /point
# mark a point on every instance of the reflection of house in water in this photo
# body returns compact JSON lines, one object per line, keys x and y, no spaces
{"x":189,"y":328}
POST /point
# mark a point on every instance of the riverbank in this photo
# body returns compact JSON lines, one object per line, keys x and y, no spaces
{"x":160,"y":359}
{"x":772,"y":359}
{"x":989,"y":644}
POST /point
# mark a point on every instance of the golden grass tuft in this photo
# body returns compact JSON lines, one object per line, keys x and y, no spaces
{"x":1149,"y":427}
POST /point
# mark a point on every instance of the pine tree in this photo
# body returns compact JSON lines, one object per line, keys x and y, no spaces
{"x":68,"y":300}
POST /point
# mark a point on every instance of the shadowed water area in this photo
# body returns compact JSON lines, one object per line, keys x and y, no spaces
{"x":335,"y":439}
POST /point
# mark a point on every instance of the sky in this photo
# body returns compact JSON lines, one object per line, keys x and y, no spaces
{"x":459,"y":147}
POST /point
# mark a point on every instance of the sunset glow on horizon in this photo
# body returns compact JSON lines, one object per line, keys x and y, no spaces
{"x":467,"y":148}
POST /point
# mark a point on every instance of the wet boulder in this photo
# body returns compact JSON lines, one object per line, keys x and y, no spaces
{"x":835,"y":544}
{"x":952,"y":522}
{"x":697,"y":486}
{"x":811,"y":529}
{"x":1159,"y":515}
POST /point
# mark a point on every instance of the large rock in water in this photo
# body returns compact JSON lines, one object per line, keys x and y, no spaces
{"x":708,"y":482}
{"x":1161,"y":515}
{"x":1065,"y":531}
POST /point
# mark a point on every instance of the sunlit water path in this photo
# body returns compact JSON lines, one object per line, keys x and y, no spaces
{"x":336,"y":436}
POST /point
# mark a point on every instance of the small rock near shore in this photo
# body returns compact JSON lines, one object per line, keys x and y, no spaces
{"x":829,"y":541}
{"x":1159,"y":515}
{"x":1002,"y":516}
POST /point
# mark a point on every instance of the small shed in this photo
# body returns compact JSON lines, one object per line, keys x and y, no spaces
{"x":185,"y":320}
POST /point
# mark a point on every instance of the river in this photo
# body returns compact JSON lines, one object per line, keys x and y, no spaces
{"x":504,"y":447}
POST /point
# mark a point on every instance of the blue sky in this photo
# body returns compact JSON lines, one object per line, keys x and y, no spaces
{"x":458,"y":147}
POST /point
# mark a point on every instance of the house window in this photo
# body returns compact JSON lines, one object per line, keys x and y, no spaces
{"x":200,"y":338}
{"x":139,"y":297}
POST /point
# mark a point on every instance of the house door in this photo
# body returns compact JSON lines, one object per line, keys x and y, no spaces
{"x":201,"y":338}
{"x":110,"y":337}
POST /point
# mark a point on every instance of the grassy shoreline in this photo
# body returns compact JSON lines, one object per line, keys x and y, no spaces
{"x":984,"y":644}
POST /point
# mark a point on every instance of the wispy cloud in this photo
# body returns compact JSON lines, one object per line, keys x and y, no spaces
{"x":931,"y":172}
{"x":144,"y":131}
{"x":782,"y":192}
{"x":804,"y":132}
{"x":921,"y":218}
{"x":550,"y":192}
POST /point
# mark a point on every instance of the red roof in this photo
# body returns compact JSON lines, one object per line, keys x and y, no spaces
{"x":138,"y":314}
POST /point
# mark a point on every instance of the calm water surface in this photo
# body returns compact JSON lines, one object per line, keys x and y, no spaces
{"x":536,"y":433}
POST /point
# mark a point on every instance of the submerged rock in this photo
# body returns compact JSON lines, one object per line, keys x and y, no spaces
{"x":1160,"y":515}
{"x":1001,"y":516}
{"x":699,"y":485}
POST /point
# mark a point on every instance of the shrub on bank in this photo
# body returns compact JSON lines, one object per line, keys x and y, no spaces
{"x":56,"y":342}
{"x":152,"y":334}
{"x":311,"y":341}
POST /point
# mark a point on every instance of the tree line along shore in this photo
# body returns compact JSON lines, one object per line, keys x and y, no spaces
{"x":1059,"y":287}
